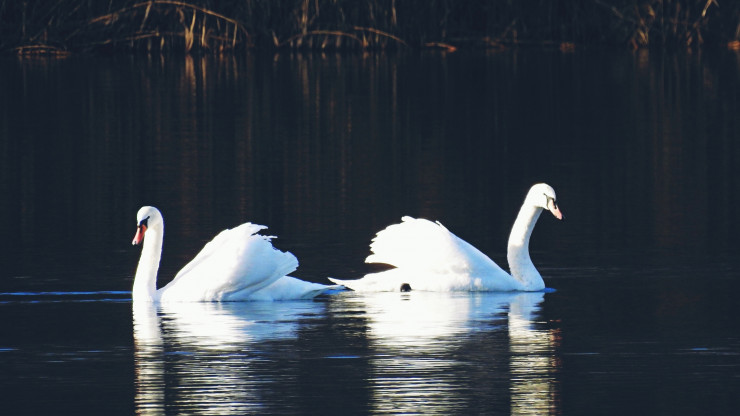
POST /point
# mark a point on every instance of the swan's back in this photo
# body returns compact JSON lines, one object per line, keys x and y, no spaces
{"x":236,"y":260}
{"x":423,"y":246}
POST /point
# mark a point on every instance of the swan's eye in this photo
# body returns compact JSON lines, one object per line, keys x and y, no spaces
{"x":144,"y":222}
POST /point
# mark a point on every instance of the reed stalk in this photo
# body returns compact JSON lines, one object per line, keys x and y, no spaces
{"x":230,"y":25}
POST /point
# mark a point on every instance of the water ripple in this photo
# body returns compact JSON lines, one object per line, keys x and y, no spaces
{"x":60,"y":296}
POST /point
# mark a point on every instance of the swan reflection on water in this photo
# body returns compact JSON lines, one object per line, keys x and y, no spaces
{"x":195,"y":356}
{"x":433,"y":349}
{"x":426,"y":352}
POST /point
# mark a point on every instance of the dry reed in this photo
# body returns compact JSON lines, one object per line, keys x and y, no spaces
{"x":58,"y":26}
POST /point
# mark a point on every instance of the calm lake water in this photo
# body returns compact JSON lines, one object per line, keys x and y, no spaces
{"x":642,"y":149}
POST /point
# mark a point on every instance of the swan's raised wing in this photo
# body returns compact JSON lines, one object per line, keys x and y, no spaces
{"x":425,"y":246}
{"x":236,"y":260}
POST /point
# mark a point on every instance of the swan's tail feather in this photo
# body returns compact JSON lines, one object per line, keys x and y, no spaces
{"x":357,"y":285}
{"x":387,"y":281}
{"x":287,"y":288}
{"x":327,"y":290}
{"x":339,"y":282}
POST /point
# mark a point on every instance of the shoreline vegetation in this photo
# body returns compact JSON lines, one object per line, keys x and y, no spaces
{"x":60,"y":27}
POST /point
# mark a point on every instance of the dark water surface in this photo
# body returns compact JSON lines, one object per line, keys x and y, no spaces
{"x":642,"y":149}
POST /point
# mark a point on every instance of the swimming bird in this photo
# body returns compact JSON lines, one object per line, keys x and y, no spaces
{"x":237,"y":265}
{"x":428,"y":257}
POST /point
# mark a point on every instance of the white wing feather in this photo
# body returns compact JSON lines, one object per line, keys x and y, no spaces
{"x":428,"y":257}
{"x":427,"y":247}
{"x":236,"y":260}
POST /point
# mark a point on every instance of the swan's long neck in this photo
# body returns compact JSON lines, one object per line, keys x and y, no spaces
{"x":145,"y":282}
{"x":520,"y":264}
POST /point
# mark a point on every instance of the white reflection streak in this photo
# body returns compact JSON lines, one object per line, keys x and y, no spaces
{"x":148,"y":360}
{"x":414,"y":320}
{"x":413,"y":335}
{"x":202,"y":376}
{"x":208,"y":346}
{"x":206,"y":325}
{"x":532,"y":360}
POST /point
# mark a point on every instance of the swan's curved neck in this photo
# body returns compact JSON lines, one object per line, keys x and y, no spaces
{"x":520,"y":264}
{"x":145,"y":282}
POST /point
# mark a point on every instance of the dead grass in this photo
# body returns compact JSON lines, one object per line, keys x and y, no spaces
{"x":208,"y":26}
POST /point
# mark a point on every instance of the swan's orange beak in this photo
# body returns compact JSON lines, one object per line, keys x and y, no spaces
{"x":552,"y":206}
{"x":140,"y":230}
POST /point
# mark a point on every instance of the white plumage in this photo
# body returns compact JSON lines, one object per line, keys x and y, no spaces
{"x":238,"y":264}
{"x":427,"y":256}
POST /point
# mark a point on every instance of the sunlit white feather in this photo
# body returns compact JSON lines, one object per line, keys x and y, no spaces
{"x":238,"y":264}
{"x":427,"y":256}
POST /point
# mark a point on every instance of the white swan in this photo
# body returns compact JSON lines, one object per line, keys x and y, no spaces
{"x":237,"y":265}
{"x":429,"y":257}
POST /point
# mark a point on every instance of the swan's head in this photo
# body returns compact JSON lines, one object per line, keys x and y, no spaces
{"x":543,"y":196}
{"x":146,"y":218}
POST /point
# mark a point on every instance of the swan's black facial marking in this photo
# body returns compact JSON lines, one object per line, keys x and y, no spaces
{"x":140,"y":231}
{"x":549,"y":198}
{"x":144,"y":222}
